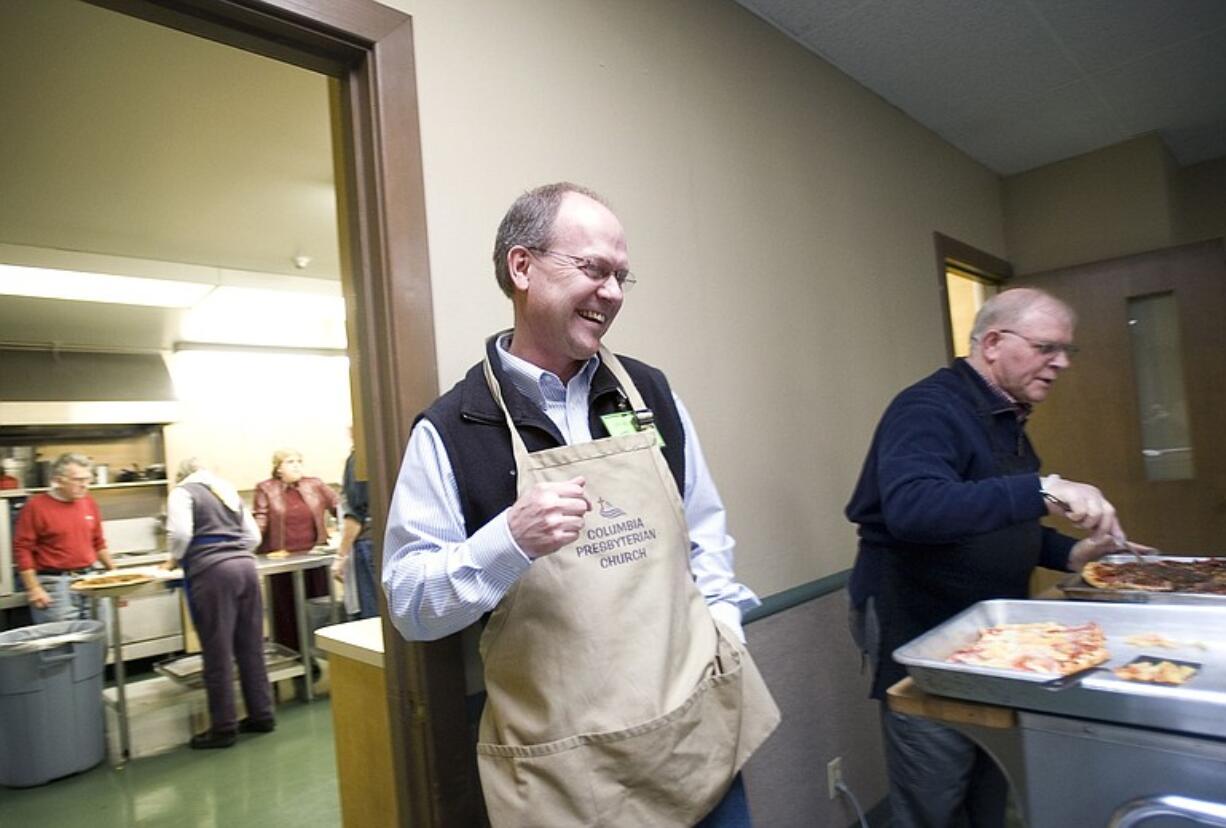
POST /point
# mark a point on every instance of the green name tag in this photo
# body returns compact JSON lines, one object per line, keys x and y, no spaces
{"x":620,"y":423}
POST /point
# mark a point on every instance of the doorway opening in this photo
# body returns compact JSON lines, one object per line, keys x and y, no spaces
{"x":966,"y":294}
{"x":366,"y":47}
{"x":968,"y":277}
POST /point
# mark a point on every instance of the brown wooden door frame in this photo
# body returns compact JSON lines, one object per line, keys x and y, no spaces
{"x":952,"y":253}
{"x":368,"y":48}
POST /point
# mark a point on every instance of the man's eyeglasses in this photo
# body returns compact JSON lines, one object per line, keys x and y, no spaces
{"x":1045,"y":348}
{"x":593,"y":270}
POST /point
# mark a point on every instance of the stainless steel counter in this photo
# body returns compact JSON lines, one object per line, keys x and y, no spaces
{"x":1199,"y":632}
{"x":1102,"y":748}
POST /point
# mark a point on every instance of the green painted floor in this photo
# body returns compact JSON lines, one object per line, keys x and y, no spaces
{"x":287,"y":777}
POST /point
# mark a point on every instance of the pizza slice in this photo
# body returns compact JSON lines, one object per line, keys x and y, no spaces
{"x":1130,"y":575}
{"x":1156,"y":671}
{"x":1042,"y":647}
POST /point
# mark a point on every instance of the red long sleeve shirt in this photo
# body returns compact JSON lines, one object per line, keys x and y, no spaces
{"x":57,"y":534}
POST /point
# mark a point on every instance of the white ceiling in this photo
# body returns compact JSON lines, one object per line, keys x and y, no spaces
{"x":136,"y":141}
{"x":1017,"y":84}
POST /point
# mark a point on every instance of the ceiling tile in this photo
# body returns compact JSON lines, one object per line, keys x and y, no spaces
{"x":794,"y":16}
{"x":1191,"y":145}
{"x":941,"y":62}
{"x":1177,"y":88}
{"x":1016,"y":137}
{"x":1102,"y":34}
{"x":997,"y":76}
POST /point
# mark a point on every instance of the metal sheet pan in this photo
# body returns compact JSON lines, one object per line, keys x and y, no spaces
{"x":189,"y":669}
{"x":1197,"y":707}
{"x":1076,"y":588}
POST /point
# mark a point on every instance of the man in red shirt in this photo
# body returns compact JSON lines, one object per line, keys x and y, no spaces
{"x":59,"y":535}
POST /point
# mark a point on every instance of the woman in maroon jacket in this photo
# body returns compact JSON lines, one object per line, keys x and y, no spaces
{"x":290,"y":510}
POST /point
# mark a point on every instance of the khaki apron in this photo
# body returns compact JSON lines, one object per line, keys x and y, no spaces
{"x":613,"y":696}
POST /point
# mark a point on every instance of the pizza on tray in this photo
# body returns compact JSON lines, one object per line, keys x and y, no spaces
{"x":1204,"y":576}
{"x":1156,"y":672}
{"x":1043,"y":647}
{"x":113,"y":580}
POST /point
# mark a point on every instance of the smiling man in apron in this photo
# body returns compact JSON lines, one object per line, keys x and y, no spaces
{"x":563,"y":490}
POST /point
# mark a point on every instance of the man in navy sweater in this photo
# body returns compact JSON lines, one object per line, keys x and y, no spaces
{"x":948,"y":506}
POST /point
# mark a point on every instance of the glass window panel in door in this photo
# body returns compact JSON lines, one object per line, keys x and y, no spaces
{"x":1166,"y":439}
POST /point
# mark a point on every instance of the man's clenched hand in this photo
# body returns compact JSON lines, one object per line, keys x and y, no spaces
{"x":548,"y":516}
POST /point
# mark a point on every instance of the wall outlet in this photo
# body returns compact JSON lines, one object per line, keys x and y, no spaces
{"x":834,"y":775}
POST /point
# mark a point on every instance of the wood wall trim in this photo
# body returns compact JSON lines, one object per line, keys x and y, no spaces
{"x":368,"y":48}
{"x":950,"y":251}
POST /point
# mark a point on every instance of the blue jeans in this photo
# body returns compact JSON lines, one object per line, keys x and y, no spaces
{"x":732,"y":811}
{"x":937,"y":776}
{"x":364,"y":573}
{"x":940,"y":777}
{"x":66,"y":605}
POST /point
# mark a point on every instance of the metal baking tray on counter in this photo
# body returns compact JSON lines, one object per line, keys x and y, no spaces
{"x":189,"y":669}
{"x":1197,"y":707}
{"x":1076,"y":588}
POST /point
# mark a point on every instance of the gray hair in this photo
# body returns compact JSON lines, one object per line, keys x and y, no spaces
{"x":72,"y":458}
{"x":1010,"y":307}
{"x":187,"y":468}
{"x":529,"y":223}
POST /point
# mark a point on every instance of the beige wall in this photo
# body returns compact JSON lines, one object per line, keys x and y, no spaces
{"x":238,"y":407}
{"x":1109,"y":203}
{"x":1202,"y":201}
{"x":779,"y":216}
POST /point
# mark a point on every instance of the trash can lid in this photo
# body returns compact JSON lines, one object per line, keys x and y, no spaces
{"x":47,"y":636}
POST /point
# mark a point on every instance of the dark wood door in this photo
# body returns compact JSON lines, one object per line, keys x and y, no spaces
{"x":1090,"y":427}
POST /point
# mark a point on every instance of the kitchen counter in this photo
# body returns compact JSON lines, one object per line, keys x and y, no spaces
{"x":360,"y":722}
{"x":358,"y":640}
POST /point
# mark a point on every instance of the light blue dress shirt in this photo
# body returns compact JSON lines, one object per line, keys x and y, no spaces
{"x":440,"y":578}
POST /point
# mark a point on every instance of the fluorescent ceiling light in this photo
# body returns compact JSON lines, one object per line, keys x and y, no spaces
{"x":46,"y":283}
{"x":255,"y":316}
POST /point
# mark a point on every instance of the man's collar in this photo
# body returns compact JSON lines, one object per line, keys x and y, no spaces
{"x":477,"y":402}
{"x":1003,"y":399}
{"x":528,"y":377}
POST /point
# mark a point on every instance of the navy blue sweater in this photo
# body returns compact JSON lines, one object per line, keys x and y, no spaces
{"x":931,"y":479}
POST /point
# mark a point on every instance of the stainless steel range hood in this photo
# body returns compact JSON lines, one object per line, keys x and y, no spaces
{"x":84,"y":388}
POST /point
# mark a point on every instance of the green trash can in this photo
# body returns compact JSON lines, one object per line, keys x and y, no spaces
{"x":51,"y":722}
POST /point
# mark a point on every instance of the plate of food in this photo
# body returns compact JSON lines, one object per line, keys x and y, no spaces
{"x":1150,"y":669}
{"x":111,"y":580}
{"x":1155,"y":579}
{"x":1195,"y":575}
{"x":1045,"y":647}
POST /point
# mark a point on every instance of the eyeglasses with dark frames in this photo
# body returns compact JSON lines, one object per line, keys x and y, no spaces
{"x":591,"y":269}
{"x":1044,"y":347}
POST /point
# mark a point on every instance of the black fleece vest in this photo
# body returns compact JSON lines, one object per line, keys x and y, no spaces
{"x":478,"y":444}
